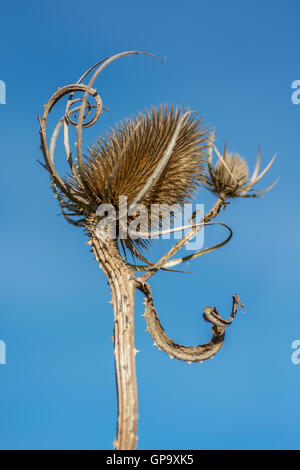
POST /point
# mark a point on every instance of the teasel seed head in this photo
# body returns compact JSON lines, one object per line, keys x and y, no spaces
{"x":122,"y":162}
{"x":230,"y":176}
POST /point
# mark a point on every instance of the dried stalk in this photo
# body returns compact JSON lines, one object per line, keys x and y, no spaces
{"x":122,"y":286}
{"x":79,"y":200}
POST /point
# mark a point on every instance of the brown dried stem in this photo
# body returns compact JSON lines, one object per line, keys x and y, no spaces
{"x":122,"y":286}
{"x":187,"y":353}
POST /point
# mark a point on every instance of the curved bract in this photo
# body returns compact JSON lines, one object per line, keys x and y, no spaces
{"x":63,"y":190}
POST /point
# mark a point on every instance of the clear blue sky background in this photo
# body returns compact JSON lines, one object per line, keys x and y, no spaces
{"x":234,"y":63}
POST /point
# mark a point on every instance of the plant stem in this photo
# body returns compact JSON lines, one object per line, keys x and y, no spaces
{"x":122,"y":284}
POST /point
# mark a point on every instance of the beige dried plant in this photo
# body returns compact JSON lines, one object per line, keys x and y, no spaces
{"x":159,"y":157}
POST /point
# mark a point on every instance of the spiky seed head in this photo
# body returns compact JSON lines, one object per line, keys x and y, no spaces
{"x":121,"y":163}
{"x":230,"y":174}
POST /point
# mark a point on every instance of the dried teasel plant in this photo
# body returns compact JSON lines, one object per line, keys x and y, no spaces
{"x":160,"y":157}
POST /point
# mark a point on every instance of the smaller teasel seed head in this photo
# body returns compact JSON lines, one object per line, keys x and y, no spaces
{"x":230,"y":176}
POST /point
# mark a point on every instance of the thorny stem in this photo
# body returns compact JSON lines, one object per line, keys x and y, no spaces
{"x":122,"y":284}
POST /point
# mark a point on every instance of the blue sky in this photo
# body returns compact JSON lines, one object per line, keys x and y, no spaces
{"x":234,"y":63}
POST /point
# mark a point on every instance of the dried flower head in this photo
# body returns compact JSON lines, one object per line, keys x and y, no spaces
{"x":122,"y":164}
{"x":230,"y":173}
{"x":230,"y":176}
